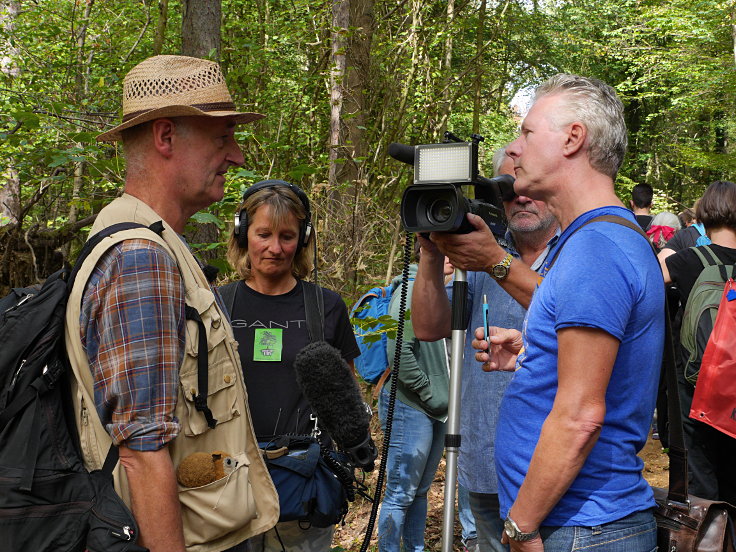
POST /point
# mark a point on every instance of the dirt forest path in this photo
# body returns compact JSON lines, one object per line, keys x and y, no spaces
{"x":350,"y":536}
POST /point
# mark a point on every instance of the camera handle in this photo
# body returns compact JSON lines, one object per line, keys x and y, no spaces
{"x":453,"y":437}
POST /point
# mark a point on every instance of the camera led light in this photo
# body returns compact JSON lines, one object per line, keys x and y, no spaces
{"x":440,"y":163}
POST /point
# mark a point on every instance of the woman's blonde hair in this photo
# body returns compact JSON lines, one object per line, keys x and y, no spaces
{"x":283,"y":202}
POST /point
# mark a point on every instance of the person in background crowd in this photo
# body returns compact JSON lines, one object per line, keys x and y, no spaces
{"x":662,"y":229}
{"x":686,"y":217}
{"x":710,"y":452}
{"x":641,"y":204}
{"x":688,"y":236}
{"x":272,"y":254}
{"x":417,"y":431}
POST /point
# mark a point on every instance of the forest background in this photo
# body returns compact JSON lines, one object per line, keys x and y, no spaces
{"x":339,"y":80}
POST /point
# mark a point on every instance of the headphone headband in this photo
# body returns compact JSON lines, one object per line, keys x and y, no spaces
{"x":273,"y":183}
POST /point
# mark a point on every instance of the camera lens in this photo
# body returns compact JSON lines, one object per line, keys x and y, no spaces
{"x":439,"y":211}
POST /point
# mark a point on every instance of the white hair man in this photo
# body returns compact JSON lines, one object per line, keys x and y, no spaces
{"x":587,"y":364}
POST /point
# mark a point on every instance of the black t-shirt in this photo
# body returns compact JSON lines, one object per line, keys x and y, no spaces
{"x":643,"y":220}
{"x":278,"y":324}
{"x":683,"y":239}
{"x":685,"y":266}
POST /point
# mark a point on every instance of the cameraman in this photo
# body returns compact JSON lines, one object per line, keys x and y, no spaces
{"x":532,"y":230}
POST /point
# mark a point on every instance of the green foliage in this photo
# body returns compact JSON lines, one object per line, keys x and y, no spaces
{"x":371,"y":329}
{"x":672,"y":62}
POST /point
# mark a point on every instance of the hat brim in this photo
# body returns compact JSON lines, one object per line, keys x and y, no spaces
{"x":114,"y":134}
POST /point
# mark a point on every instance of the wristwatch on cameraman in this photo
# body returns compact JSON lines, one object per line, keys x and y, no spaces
{"x":514,"y":533}
{"x":499,"y":271}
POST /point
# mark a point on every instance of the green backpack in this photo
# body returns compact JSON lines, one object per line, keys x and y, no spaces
{"x":701,"y":309}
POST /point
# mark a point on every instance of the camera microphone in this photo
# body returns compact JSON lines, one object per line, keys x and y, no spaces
{"x":325,"y":379}
{"x":402,"y":152}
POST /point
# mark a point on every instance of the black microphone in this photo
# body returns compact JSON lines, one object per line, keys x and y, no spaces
{"x":402,"y":152}
{"x":325,"y":379}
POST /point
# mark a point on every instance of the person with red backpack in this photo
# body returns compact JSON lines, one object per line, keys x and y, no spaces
{"x":697,"y":273}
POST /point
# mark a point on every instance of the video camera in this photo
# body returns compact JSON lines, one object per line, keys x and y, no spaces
{"x":435,"y":202}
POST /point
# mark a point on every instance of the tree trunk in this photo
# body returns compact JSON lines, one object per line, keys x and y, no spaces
{"x":10,"y":189}
{"x":444,"y":112}
{"x":478,"y":85}
{"x":733,"y":31}
{"x":81,"y":80}
{"x":163,"y":18}
{"x":352,"y":22}
{"x":200,"y":28}
{"x":82,"y":91}
{"x":9,"y":10}
{"x":9,"y":196}
{"x":408,"y":82}
{"x":200,"y":37}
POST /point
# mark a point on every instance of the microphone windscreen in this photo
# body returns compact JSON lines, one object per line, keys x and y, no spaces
{"x":402,"y":152}
{"x":331,"y":390}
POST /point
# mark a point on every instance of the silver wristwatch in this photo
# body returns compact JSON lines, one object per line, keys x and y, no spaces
{"x":514,"y":533}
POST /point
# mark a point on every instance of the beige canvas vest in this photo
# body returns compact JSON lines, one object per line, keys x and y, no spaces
{"x":230,"y":510}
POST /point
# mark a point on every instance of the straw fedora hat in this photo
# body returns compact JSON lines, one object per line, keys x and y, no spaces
{"x":174,"y":86}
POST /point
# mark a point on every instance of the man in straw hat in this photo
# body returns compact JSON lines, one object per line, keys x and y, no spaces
{"x":150,"y":345}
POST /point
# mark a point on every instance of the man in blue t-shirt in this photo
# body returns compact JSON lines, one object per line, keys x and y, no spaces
{"x":579,"y":406}
{"x":532,"y":232}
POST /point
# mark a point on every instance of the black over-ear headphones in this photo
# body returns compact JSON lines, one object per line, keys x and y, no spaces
{"x":241,"y":217}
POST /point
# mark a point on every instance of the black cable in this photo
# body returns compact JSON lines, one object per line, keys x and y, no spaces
{"x":392,"y":393}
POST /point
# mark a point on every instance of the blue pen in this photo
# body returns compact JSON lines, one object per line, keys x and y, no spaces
{"x":485,"y":323}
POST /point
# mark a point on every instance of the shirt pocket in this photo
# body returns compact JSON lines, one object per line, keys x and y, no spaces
{"x":221,"y":376}
{"x":214,"y":510}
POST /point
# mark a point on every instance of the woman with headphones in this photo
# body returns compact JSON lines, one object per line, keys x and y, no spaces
{"x":271,"y":250}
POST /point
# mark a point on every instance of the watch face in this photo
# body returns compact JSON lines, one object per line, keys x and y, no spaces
{"x":500,"y":271}
{"x":509,"y":529}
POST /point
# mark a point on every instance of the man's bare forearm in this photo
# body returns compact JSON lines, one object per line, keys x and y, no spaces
{"x":572,"y":427}
{"x":155,"y":499}
{"x":430,"y":307}
{"x":520,"y":283}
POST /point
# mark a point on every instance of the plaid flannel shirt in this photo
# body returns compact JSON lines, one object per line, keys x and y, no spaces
{"x":132,"y":327}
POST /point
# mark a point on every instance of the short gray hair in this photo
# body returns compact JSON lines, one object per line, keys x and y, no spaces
{"x":499,"y":156}
{"x":666,"y":218}
{"x":596,"y":105}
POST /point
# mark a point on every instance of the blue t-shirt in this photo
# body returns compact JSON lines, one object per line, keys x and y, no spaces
{"x":481,"y":392}
{"x":605,"y":277}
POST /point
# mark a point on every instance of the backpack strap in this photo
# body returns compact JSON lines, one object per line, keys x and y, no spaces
{"x":314,"y":310}
{"x":111,"y":460}
{"x":708,"y":258}
{"x":313,"y":306}
{"x":157,"y":227}
{"x":228,"y":292}
{"x":615,"y":219}
{"x":200,"y":400}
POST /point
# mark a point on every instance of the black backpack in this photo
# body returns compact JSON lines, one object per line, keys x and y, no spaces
{"x":48,"y":500}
